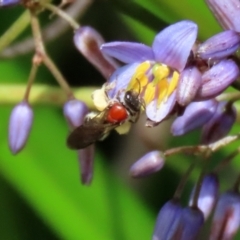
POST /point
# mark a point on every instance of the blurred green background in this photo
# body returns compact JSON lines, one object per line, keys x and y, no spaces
{"x":41,"y":196}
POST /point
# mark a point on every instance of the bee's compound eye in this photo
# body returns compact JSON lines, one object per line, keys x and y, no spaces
{"x":117,"y":113}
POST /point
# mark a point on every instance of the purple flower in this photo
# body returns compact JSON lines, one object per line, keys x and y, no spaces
{"x":154,"y":71}
{"x":20,"y":124}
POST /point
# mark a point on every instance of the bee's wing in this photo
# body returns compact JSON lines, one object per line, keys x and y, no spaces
{"x":85,"y":135}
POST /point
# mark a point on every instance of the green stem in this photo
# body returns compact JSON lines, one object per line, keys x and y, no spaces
{"x":15,"y":30}
{"x":42,"y":94}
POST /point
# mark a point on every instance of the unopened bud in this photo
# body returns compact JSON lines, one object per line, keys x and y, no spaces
{"x":217,"y":79}
{"x":219,"y":46}
{"x":20,"y":124}
{"x":148,"y":164}
{"x":207,"y":195}
{"x":189,"y":82}
{"x":195,"y":115}
{"x":75,"y":111}
{"x":86,"y":162}
{"x":5,"y":3}
{"x":167,"y":220}
{"x":227,"y":13}
{"x":226,"y":219}
{"x":220,"y":124}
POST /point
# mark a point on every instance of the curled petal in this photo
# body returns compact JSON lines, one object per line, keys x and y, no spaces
{"x":189,"y":82}
{"x":88,"y":42}
{"x":20,"y":124}
{"x":128,"y":52}
{"x":208,"y":194}
{"x":227,"y":13}
{"x":195,"y":115}
{"x":4,"y":3}
{"x":86,"y":162}
{"x":167,"y":220}
{"x":148,"y":164}
{"x":158,"y":112}
{"x":75,"y":111}
{"x":120,"y":79}
{"x":220,"y":124}
{"x":173,"y":44}
{"x":217,"y":79}
{"x":226,"y":219}
{"x":219,"y":46}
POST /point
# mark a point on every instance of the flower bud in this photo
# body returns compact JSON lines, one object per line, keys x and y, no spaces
{"x":167,"y":220}
{"x":226,"y":219}
{"x":4,"y":3}
{"x":148,"y":164}
{"x":88,"y":42}
{"x":208,"y":194}
{"x":195,"y":115}
{"x":86,"y":161}
{"x":217,"y":79}
{"x":189,"y":82}
{"x":75,"y":111}
{"x":220,"y":124}
{"x":190,"y":223}
{"x":20,"y":124}
{"x":219,"y":46}
{"x":227,"y":13}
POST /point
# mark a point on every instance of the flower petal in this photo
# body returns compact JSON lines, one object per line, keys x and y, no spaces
{"x":128,"y":52}
{"x":219,"y":46}
{"x":158,"y":113}
{"x":172,"y":45}
{"x":88,"y":41}
{"x":120,"y":79}
{"x":195,"y":115}
{"x":227,"y":13}
{"x":4,"y":3}
{"x":217,"y":79}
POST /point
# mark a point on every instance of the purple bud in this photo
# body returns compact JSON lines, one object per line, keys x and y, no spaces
{"x":208,"y":194}
{"x":219,"y":46}
{"x":88,"y":42}
{"x":195,"y":115}
{"x":86,"y":161}
{"x":4,"y":3}
{"x":220,"y":124}
{"x":189,"y":82}
{"x":167,"y":221}
{"x":20,"y":124}
{"x":191,"y":221}
{"x":148,"y":164}
{"x":226,"y":219}
{"x":75,"y":111}
{"x":227,"y":13}
{"x":217,"y":79}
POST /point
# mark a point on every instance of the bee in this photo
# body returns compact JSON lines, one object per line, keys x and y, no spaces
{"x":97,"y":126}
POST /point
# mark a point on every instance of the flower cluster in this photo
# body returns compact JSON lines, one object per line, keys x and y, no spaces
{"x":176,"y":77}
